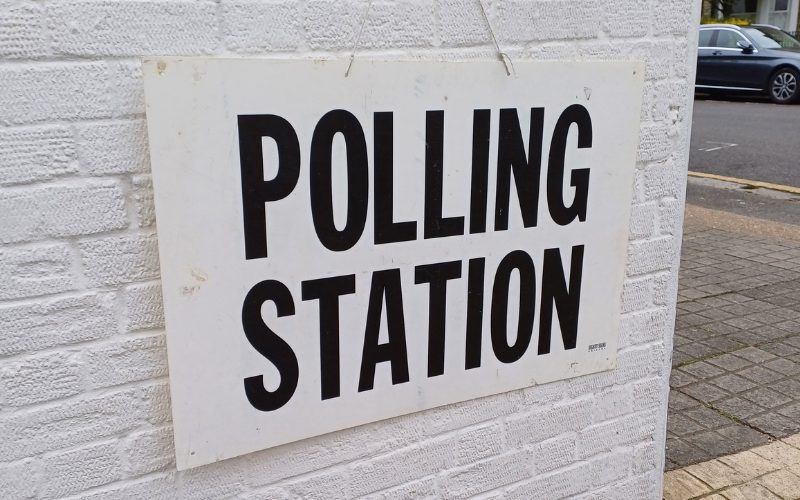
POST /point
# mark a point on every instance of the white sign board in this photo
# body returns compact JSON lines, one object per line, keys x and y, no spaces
{"x":339,"y":250}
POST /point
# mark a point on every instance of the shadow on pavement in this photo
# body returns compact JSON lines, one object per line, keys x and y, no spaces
{"x":735,"y":382}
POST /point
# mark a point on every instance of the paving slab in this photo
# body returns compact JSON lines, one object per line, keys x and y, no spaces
{"x":735,"y":382}
{"x":769,"y":472}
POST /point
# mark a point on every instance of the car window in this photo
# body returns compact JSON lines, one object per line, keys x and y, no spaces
{"x":705,"y":38}
{"x":771,"y":38}
{"x":727,"y":39}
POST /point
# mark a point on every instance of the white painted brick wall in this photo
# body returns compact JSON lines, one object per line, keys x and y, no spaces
{"x":84,"y":398}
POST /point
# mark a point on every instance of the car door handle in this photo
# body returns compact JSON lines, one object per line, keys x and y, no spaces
{"x":716,"y":53}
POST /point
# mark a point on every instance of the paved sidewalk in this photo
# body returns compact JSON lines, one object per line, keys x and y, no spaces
{"x":769,"y":472}
{"x":736,"y":359}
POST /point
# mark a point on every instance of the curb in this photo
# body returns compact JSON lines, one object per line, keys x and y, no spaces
{"x":747,"y":182}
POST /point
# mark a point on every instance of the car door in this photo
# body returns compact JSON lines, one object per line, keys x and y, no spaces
{"x":731,"y":66}
{"x":704,"y":50}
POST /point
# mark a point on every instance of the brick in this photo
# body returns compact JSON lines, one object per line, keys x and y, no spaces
{"x":638,"y":363}
{"x":649,"y":394}
{"x":86,"y":208}
{"x":642,"y":486}
{"x":63,"y":321}
{"x":554,"y":453}
{"x":475,"y":444}
{"x":348,"y":445}
{"x":522,"y":21}
{"x":590,"y":384}
{"x":254,"y":26}
{"x":333,"y":25}
{"x":21,"y":216}
{"x":655,"y":143}
{"x":22,"y":30}
{"x":599,"y":50}
{"x":275,"y":493}
{"x":645,"y":257}
{"x":628,"y":18}
{"x":540,"y":395}
{"x":638,"y":186}
{"x":114,"y":147}
{"x":126,"y":88}
{"x":222,"y":481}
{"x":487,"y":475}
{"x":564,"y":483}
{"x":612,"y":403}
{"x":627,"y":430}
{"x":642,"y":327}
{"x":643,"y":220}
{"x":62,"y":91}
{"x":461,"y":23}
{"x":544,"y":424}
{"x":611,"y":467}
{"x":646,"y":458}
{"x":126,"y":360}
{"x":159,"y":487}
{"x":30,"y":154}
{"x":637,"y":294}
{"x":553,"y":51}
{"x":156,"y":408}
{"x":39,"y":378}
{"x":148,"y":451}
{"x":654,"y":54}
{"x":15,"y":480}
{"x":64,"y":210}
{"x":325,"y":485}
{"x":396,"y":468}
{"x":144,"y":306}
{"x":120,"y":259}
{"x":68,"y":423}
{"x":662,"y":180}
{"x":81,"y":469}
{"x":665,"y":288}
{"x":670,"y":20}
{"x":466,"y":413}
{"x":402,"y":23}
{"x":425,"y":488}
{"x":132,"y":27}
{"x":40,"y":270}
{"x":143,"y":197}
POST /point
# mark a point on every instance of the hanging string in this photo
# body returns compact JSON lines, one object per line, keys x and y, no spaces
{"x":500,"y":54}
{"x":358,"y":39}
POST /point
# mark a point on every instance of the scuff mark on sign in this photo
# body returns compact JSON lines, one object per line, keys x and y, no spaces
{"x":199,"y":275}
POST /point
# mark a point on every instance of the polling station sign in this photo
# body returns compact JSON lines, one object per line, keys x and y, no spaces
{"x":340,"y":250}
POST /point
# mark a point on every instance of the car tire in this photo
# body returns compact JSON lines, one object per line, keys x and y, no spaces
{"x":784,"y":86}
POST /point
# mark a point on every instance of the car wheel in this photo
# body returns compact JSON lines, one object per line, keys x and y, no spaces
{"x":784,"y":86}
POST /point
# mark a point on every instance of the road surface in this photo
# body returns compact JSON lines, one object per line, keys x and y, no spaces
{"x":748,"y":140}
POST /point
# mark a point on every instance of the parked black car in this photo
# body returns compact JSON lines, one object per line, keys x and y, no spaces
{"x":749,"y":59}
